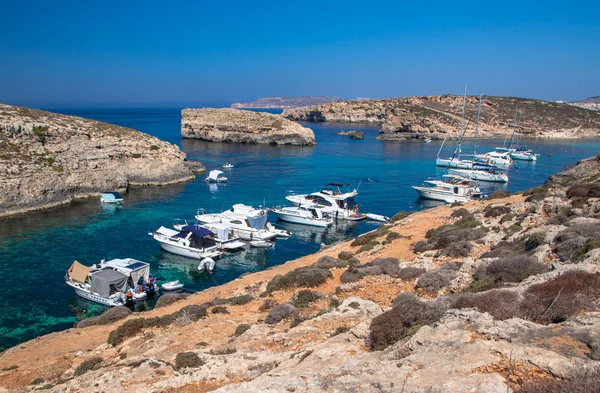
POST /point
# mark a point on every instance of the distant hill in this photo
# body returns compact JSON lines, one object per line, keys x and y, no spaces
{"x":435,"y":116}
{"x":592,"y":103}
{"x":591,"y":100}
{"x":285,"y":102}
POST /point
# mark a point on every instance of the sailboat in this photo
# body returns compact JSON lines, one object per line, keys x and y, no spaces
{"x":517,"y":153}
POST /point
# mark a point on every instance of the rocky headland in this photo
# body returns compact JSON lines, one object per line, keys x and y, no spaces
{"x":493,"y":296}
{"x":241,"y":126}
{"x":434,"y":116}
{"x":285,"y":102}
{"x":48,"y":159}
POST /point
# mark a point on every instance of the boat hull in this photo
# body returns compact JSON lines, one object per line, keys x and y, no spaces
{"x":186,"y":252}
{"x":476,"y":175}
{"x":453,"y":163}
{"x":523,"y":157}
{"x":427,"y":193}
{"x":303,"y":220}
{"x":94,"y":298}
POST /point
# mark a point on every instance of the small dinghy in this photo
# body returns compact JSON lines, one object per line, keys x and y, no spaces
{"x":261,"y":243}
{"x":428,"y":140}
{"x":172,"y":285}
{"x":355,"y":217}
{"x":281,"y":233}
{"x":140,"y":296}
{"x":227,"y":165}
{"x":207,"y":265}
{"x":377,"y":217}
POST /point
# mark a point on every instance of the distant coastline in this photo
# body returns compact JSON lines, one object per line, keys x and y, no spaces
{"x":285,"y":102}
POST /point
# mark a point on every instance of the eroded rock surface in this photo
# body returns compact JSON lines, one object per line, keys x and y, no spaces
{"x":47,"y":159}
{"x":240,"y":126}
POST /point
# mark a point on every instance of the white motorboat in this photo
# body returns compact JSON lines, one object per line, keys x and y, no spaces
{"x":377,"y":217}
{"x":111,"y":198}
{"x":172,"y":285}
{"x":516,"y":153}
{"x":307,"y":215}
{"x":245,"y":222}
{"x":190,"y":241}
{"x":261,"y":243}
{"x":495,"y":158}
{"x":216,"y":176}
{"x":427,"y":140}
{"x":227,"y":165}
{"x":452,"y":189}
{"x":331,"y":199}
{"x":523,"y":154}
{"x":223,"y":236}
{"x":482,"y":175}
{"x":109,"y":283}
{"x":454,"y":163}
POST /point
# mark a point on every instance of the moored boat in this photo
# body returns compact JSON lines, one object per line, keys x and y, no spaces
{"x":306,"y":215}
{"x":111,"y":198}
{"x":190,"y":241}
{"x":451,"y":189}
{"x":331,"y":199}
{"x":490,"y":175}
{"x":245,"y":222}
{"x":216,"y":176}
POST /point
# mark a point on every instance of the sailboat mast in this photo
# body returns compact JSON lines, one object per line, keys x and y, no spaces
{"x":514,"y":129}
{"x":476,"y":126}
{"x":462,"y":124}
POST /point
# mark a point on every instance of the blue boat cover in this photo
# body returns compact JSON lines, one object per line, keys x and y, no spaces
{"x":196,"y":230}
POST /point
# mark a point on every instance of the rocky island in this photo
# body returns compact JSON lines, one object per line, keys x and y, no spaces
{"x":434,"y":116}
{"x":493,"y":296}
{"x":240,"y":126}
{"x":285,"y":102}
{"x":48,"y":159}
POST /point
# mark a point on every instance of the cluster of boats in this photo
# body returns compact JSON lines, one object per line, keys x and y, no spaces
{"x":462,"y":182}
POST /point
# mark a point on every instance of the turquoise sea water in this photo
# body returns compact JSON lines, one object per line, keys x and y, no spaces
{"x":37,"y":248}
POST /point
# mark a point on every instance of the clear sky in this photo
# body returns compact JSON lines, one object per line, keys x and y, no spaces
{"x":177,"y":53}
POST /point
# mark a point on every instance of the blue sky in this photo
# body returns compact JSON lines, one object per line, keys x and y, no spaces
{"x":179,"y":53}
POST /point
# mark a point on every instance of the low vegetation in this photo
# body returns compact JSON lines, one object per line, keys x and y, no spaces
{"x":111,"y":315}
{"x":88,"y":365}
{"x":584,"y":190}
{"x":280,"y":313}
{"x":304,"y":277}
{"x":241,"y":329}
{"x":188,"y":360}
{"x":499,"y":194}
{"x":504,"y":270}
{"x":128,"y":329}
{"x":169,"y":299}
{"x":305,"y":298}
{"x":400,"y":216}
{"x":387,"y":266}
{"x":435,"y":280}
{"x":581,"y":382}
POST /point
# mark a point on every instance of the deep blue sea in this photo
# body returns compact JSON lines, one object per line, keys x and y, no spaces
{"x":37,"y":248}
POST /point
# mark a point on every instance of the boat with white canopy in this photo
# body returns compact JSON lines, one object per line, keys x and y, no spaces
{"x":110,"y":282}
{"x":190,"y":241}
{"x":452,"y":189}
{"x":244,"y":221}
{"x":332,"y":200}
{"x":307,"y":215}
{"x":216,"y":176}
{"x":111,"y":198}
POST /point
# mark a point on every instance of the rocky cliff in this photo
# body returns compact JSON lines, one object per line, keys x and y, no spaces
{"x":285,"y":102}
{"x":495,"y":296}
{"x":433,"y":117}
{"x":47,"y":159}
{"x":240,"y":126}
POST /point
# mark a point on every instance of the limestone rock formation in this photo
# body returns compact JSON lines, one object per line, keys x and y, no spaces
{"x":354,"y":134}
{"x":240,"y":126}
{"x":285,"y":102}
{"x":434,"y":116}
{"x":47,"y":159}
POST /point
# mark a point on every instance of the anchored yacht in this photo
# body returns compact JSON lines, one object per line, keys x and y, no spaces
{"x":479,"y":174}
{"x":332,"y":200}
{"x":307,"y":215}
{"x":190,"y":241}
{"x":452,"y":189}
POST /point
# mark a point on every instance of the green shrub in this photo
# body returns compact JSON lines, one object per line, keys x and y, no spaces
{"x":345,"y":255}
{"x":382,"y":230}
{"x":354,"y":261}
{"x":240,"y":300}
{"x":279,"y":313}
{"x":219,"y":310}
{"x":111,"y":315}
{"x":241,"y":329}
{"x":364,"y":239}
{"x":267,"y":305}
{"x":304,"y":277}
{"x":368,"y":247}
{"x":326,"y":262}
{"x":88,"y":365}
{"x":458,"y":249}
{"x":400,"y":216}
{"x":497,"y":211}
{"x":188,"y":359}
{"x":391,"y":237}
{"x":403,"y":320}
{"x":510,"y":269}
{"x":128,"y":329}
{"x":499,"y":194}
{"x":154,"y":147}
{"x":481,"y":285}
{"x":304,"y":298}
{"x":169,"y":298}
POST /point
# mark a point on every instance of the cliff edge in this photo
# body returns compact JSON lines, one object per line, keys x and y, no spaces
{"x":240,"y":126}
{"x":434,"y":116}
{"x":47,"y":159}
{"x":285,"y":102}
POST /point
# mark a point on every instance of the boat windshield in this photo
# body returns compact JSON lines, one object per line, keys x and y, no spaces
{"x":319,"y":200}
{"x":347,"y":203}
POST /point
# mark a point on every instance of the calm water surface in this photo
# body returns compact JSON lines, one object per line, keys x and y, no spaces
{"x":37,"y":248}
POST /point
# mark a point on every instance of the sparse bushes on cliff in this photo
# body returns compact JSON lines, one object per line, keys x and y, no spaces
{"x":326,"y":262}
{"x":368,"y":247}
{"x":304,"y":298}
{"x":568,"y":294}
{"x":280,"y":313}
{"x":584,"y":190}
{"x":458,"y":249}
{"x":241,"y":329}
{"x":461,"y":213}
{"x":496,"y":211}
{"x":188,"y":359}
{"x":391,"y":237}
{"x":402,"y":321}
{"x":109,"y":316}
{"x":345,"y":255}
{"x":410,"y":273}
{"x":499,"y":194}
{"x":364,"y":239}
{"x":267,"y":305}
{"x":128,"y":329}
{"x":509,"y":269}
{"x":388,"y":266}
{"x":535,"y":194}
{"x":240,"y":300}
{"x":434,"y":280}
{"x":499,"y":303}
{"x":580,"y":383}
{"x":304,"y":277}
{"x":169,"y":299}
{"x":219,"y":310}
{"x":400,"y":216}
{"x":88,"y":365}
{"x":573,"y":243}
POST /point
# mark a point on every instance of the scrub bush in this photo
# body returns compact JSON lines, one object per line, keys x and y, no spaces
{"x":459,"y":249}
{"x":326,"y":262}
{"x":497,"y":211}
{"x":240,"y":300}
{"x":435,"y":280}
{"x":304,"y":298}
{"x":391,"y":237}
{"x":304,"y":277}
{"x":462,"y":212}
{"x":241,"y":329}
{"x":169,"y":299}
{"x":219,"y":310}
{"x":580,"y":383}
{"x":128,"y":329}
{"x":368,"y":247}
{"x":345,"y":255}
{"x":88,"y":365}
{"x":584,"y":190}
{"x":499,"y":194}
{"x":410,"y":273}
{"x":188,"y":359}
{"x":363,"y":239}
{"x":279,"y":313}
{"x":400,"y":216}
{"x":109,"y":316}
{"x":510,"y":269}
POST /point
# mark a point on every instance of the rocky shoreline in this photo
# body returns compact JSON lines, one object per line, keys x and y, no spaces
{"x":491,"y":296}
{"x":241,"y":126}
{"x":434,"y":116}
{"x":284,"y":102}
{"x":50,"y":159}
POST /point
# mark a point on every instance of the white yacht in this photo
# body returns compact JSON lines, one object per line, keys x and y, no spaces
{"x":517,"y":153}
{"x":222,"y":235}
{"x":190,"y":241}
{"x":332,"y":200}
{"x":216,"y":176}
{"x":452,"y":189}
{"x":307,"y":215}
{"x":480,"y":174}
{"x":111,"y":198}
{"x":110,"y":282}
{"x":495,"y":158}
{"x":245,"y":222}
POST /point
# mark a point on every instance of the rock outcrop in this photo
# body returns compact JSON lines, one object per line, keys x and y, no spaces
{"x":520,"y":307}
{"x":240,"y":126}
{"x":47,"y":159}
{"x":433,"y":117}
{"x":285,"y":102}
